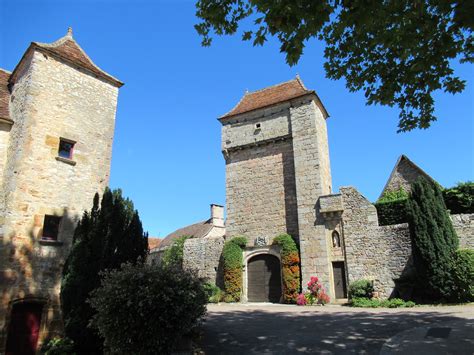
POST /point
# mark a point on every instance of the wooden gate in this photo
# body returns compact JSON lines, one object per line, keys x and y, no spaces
{"x":339,"y":279}
{"x":23,"y":330}
{"x":264,"y":279}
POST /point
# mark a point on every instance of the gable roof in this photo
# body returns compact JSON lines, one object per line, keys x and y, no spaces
{"x":196,"y":230}
{"x":270,"y":96}
{"x":153,"y":242}
{"x":4,"y":96}
{"x":67,"y":49}
{"x":404,"y":173}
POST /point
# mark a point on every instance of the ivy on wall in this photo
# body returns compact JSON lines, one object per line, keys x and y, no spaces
{"x":290,"y":265}
{"x":232,"y":260}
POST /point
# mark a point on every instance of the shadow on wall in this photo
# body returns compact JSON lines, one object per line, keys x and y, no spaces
{"x":30,"y":272}
{"x":314,"y":331}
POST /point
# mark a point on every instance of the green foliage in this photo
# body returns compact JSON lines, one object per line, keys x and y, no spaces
{"x":173,"y":256}
{"x":395,"y":195}
{"x":460,"y":198}
{"x":397,"y":52}
{"x":434,"y":242}
{"x":392,"y":212}
{"x":213,"y":292}
{"x":145,"y":309}
{"x":290,"y":261}
{"x":232,"y":265}
{"x":361,"y":289}
{"x":105,"y":237}
{"x":463,"y":275}
{"x":376,"y":303}
{"x":58,"y":346}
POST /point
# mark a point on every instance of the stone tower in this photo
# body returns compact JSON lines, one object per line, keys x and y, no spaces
{"x":277,"y":166}
{"x":57,"y":117}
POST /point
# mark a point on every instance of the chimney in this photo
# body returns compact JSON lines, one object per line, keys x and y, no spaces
{"x":217,"y":215}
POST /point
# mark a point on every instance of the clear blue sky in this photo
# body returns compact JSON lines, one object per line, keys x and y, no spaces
{"x":166,"y":153}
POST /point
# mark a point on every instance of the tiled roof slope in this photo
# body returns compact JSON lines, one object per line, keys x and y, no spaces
{"x":269,"y":96}
{"x":153,"y":242}
{"x":197,"y":230}
{"x":67,"y":49}
{"x":4,"y":95}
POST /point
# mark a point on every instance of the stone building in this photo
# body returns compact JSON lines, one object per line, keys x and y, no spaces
{"x":278,"y":180}
{"x":57,"y":117}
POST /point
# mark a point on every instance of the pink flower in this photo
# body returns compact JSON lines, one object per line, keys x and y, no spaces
{"x":301,"y":300}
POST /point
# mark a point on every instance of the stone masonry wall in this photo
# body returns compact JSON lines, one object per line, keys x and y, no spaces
{"x":203,"y":255}
{"x":313,"y":179}
{"x":51,"y":100}
{"x":464,"y":226}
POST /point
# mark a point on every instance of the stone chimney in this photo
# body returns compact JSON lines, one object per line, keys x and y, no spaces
{"x":217,"y":215}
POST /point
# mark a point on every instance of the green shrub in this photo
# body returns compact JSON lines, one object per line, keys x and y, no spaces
{"x":376,"y":303}
{"x":58,"y":346}
{"x":173,"y":256}
{"x":392,"y":212}
{"x":146,"y":309}
{"x":361,"y":289}
{"x":396,"y":195}
{"x":460,"y":198}
{"x":463,"y":274}
{"x":214,"y":293}
{"x":232,"y":260}
{"x":290,"y":261}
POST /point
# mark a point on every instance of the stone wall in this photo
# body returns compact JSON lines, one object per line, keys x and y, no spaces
{"x":49,"y":100}
{"x":464,"y":226}
{"x":203,"y":255}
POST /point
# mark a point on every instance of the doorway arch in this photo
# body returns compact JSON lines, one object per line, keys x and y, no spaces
{"x":263,"y":278}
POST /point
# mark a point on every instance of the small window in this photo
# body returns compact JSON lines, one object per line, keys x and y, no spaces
{"x":336,"y":240}
{"x":51,"y":227}
{"x":66,"y":148}
{"x":257,"y":126}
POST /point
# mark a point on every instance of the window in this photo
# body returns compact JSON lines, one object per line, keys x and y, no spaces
{"x":336,"y":240}
{"x":51,"y":227}
{"x":66,"y":147}
{"x":257,"y":126}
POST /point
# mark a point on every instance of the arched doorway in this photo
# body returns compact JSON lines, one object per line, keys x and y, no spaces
{"x":264,"y":279}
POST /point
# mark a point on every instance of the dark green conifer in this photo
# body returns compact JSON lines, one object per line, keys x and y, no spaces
{"x":105,"y":237}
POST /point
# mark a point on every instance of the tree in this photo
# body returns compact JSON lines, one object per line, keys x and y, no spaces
{"x":104,"y":238}
{"x":434,"y":241}
{"x":460,"y":198}
{"x":146,"y":309}
{"x":173,"y":256}
{"x":398,"y":52}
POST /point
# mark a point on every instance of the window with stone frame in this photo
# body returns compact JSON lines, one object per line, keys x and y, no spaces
{"x":51,"y":227}
{"x":66,"y":148}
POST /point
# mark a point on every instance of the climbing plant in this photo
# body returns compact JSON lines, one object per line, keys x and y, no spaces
{"x":232,"y":259}
{"x":173,"y":256}
{"x":290,"y":264}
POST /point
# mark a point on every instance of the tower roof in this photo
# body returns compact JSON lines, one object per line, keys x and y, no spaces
{"x":270,"y":96}
{"x":67,"y":49}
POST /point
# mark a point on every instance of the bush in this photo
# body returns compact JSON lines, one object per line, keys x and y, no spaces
{"x":376,"y":303}
{"x":460,"y":198}
{"x":232,"y":260}
{"x":361,"y":289}
{"x":392,"y":212}
{"x":146,"y":309}
{"x":214,"y":293}
{"x":463,"y":275}
{"x":315,"y":293}
{"x":173,"y":256}
{"x":396,"y":195}
{"x":58,"y":346}
{"x":290,"y":261}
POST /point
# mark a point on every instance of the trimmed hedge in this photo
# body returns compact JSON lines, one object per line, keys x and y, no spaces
{"x":290,"y":261}
{"x":232,"y":261}
{"x":376,"y":303}
{"x":463,"y":274}
{"x":392,"y":212}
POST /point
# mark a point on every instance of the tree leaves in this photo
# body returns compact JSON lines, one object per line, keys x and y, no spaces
{"x":398,"y":52}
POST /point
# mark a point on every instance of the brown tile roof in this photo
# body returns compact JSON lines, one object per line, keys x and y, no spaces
{"x":4,"y":95}
{"x":68,"y":50}
{"x":154,"y":242}
{"x":197,"y":230}
{"x":269,"y":96}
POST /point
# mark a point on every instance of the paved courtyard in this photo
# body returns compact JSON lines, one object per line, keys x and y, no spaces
{"x":284,"y":329}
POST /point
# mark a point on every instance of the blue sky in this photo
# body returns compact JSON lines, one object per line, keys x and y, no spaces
{"x":166,"y":154}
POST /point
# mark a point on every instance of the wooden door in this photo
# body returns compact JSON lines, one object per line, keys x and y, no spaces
{"x":339,"y":279}
{"x":264,"y":279}
{"x":23,"y":330}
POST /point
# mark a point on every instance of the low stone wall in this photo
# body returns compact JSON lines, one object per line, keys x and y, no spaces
{"x":203,"y":255}
{"x":464,"y":226}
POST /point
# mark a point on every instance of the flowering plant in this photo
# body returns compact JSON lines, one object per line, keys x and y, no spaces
{"x":315,"y":293}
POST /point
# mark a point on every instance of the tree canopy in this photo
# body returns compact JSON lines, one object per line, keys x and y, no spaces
{"x":398,"y":52}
